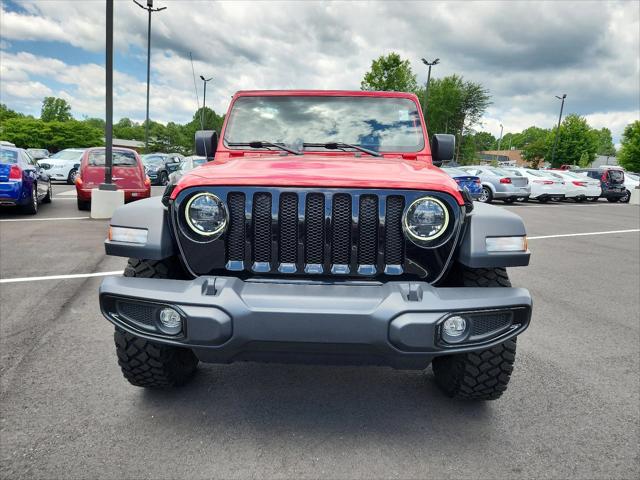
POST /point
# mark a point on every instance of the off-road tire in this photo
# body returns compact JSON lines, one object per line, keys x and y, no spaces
{"x":482,"y":375}
{"x":152,"y":365}
{"x":149,"y":364}
{"x":47,"y":198}
{"x":613,"y":199}
{"x":84,"y":205}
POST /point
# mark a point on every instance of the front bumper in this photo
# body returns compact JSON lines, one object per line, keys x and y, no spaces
{"x":396,"y":323}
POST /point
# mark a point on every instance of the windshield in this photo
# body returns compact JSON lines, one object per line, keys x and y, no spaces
{"x":120,"y":158}
{"x":376,"y":123}
{"x":8,"y":156}
{"x":67,"y":155}
{"x":152,"y":159}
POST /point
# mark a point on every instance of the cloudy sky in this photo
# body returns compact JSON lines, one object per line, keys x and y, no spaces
{"x":524,"y":53}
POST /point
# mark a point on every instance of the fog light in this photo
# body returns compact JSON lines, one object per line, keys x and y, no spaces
{"x":170,"y":321}
{"x":454,"y":329}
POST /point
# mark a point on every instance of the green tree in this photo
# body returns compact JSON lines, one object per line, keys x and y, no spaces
{"x":575,"y":138}
{"x":605,"y":142}
{"x":6,"y":113}
{"x":536,"y":150}
{"x":390,"y":72}
{"x":34,"y":133}
{"x":454,"y":106}
{"x":584,"y":161}
{"x":485,"y":141}
{"x":55,"y":109}
{"x":629,"y":154}
{"x":95,"y":123}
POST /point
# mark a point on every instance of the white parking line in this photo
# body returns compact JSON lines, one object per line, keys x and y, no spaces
{"x":60,"y":277}
{"x":120,"y":272}
{"x":583,"y":234}
{"x":41,"y":219}
{"x":68,"y":193}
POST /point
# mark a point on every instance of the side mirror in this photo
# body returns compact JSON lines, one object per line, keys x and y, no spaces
{"x":443,"y":147}
{"x":206,"y":143}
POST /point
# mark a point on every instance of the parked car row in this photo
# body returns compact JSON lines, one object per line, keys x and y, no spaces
{"x":486,"y":183}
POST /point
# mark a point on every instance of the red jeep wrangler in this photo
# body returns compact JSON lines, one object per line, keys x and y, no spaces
{"x":321,"y":231}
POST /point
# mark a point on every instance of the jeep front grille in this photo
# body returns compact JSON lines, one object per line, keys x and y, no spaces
{"x":314,"y":232}
{"x":305,"y":231}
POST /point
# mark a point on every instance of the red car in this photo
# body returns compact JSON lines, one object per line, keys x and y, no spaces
{"x":128,"y":174}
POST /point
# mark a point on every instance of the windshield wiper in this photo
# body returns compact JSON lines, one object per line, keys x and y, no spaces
{"x":263,"y":144}
{"x":342,"y":145}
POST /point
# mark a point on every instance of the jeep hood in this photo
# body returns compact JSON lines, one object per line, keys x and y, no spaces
{"x":315,"y":171}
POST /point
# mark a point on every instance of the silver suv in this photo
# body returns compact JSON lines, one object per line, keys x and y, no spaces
{"x":499,"y":184}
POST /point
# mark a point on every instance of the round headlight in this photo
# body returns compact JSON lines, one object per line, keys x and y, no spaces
{"x":206,"y":214}
{"x":425,"y":220}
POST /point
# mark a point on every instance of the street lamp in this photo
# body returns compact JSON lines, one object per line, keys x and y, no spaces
{"x":149,"y":8}
{"x":555,"y":143}
{"x":204,"y":99}
{"x":499,"y":141}
{"x":426,"y":90}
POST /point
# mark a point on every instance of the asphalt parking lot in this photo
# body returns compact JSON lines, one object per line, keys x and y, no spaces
{"x":572,"y":409}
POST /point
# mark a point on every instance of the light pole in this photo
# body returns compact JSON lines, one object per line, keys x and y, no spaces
{"x":108,"y":128}
{"x":204,"y":99}
{"x":426,"y":90}
{"x":149,"y":8}
{"x":555,"y":143}
{"x":499,"y":141}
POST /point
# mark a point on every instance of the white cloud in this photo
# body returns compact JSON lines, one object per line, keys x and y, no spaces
{"x":524,"y":53}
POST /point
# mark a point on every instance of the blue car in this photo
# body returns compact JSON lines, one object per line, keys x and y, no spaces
{"x":23,"y":182}
{"x":464,"y":180}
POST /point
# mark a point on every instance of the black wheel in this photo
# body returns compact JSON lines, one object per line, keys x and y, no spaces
{"x":508,"y":200}
{"x":626,"y":197}
{"x":543,"y":200}
{"x":32,"y":207}
{"x":84,"y":205}
{"x":485,"y":196}
{"x":612,"y":200}
{"x":152,"y":365}
{"x":71,"y":179}
{"x":149,"y":364}
{"x":579,"y":199}
{"x":47,"y":198}
{"x":481,"y":375}
{"x":164,"y":178}
{"x":593,"y":199}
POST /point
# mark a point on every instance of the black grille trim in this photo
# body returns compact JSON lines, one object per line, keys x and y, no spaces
{"x":287,"y":228}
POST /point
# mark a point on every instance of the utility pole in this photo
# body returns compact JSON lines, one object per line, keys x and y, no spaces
{"x":426,"y":90}
{"x":149,"y":8}
{"x":555,"y":143}
{"x":204,"y":100}
{"x":108,"y":128}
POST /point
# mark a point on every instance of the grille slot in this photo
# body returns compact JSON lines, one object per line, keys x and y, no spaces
{"x":288,"y":218}
{"x":262,"y":227}
{"x":368,"y":237}
{"x":235,"y":235}
{"x":341,"y":230}
{"x":393,"y":236}
{"x":314,"y":238}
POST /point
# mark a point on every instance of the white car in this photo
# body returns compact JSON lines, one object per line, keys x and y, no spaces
{"x":578,"y":187}
{"x":63,"y":165}
{"x":543,"y":186}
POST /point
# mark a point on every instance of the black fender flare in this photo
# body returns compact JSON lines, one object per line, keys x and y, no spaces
{"x":149,"y":214}
{"x":491,"y":221}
